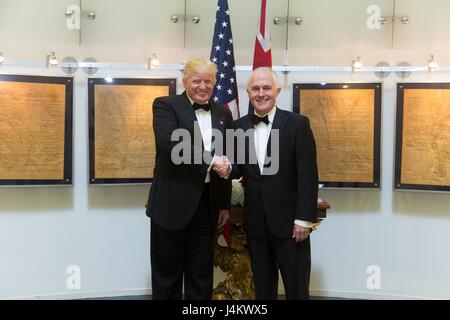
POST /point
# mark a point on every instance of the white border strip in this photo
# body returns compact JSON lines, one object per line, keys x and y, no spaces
{"x":366,"y":295}
{"x":85,"y":294}
{"x":284,"y":68}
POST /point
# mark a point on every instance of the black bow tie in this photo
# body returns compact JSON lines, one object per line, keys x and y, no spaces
{"x":205,"y":107}
{"x":257,"y":119}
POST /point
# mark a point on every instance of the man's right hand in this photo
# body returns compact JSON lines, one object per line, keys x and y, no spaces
{"x":222,"y":166}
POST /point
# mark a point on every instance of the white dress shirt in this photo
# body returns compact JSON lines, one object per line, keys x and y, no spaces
{"x":261,"y":135}
{"x":204,"y":122}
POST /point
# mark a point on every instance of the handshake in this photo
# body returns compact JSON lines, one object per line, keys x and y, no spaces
{"x":222,"y":166}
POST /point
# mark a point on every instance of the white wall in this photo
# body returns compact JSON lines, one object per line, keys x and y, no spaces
{"x":104,"y":230}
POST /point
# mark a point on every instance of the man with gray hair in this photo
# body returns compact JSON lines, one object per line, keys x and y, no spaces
{"x":187,"y":200}
{"x":280,"y":190}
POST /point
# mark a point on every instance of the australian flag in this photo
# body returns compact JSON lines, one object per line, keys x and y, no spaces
{"x":225,"y":93}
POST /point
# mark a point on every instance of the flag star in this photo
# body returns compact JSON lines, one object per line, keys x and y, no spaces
{"x":218,"y":8}
{"x":215,"y":99}
{"x":230,"y":91}
{"x":227,"y":12}
{"x":234,"y":68}
{"x":222,"y":76}
{"x":230,"y":40}
{"x":225,"y":64}
{"x":232,"y":80}
{"x":224,"y":24}
{"x":214,"y":59}
{"x":219,"y":87}
{"x":221,"y":36}
{"x":217,"y":48}
{"x":228,"y":52}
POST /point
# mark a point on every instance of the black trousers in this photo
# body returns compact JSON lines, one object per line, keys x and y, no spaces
{"x":185,"y":253}
{"x":293,"y":259}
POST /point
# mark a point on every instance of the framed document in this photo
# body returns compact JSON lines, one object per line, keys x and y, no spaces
{"x":422,"y":148}
{"x":35,"y":130}
{"x":346,"y":121}
{"x":121,"y":140}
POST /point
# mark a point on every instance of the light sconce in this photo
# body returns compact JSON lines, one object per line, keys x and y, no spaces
{"x":153,"y":62}
{"x":281,"y":20}
{"x":382,"y":20}
{"x":70,"y":12}
{"x":277,"y":20}
{"x":195,"y":19}
{"x":432,"y":64}
{"x":175,"y":18}
{"x":108,"y":79}
{"x":92,"y":15}
{"x":51,"y":59}
{"x":356,"y":64}
{"x":2,"y":58}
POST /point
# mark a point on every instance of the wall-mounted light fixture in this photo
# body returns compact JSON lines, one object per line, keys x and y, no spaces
{"x":175,"y":18}
{"x":2,"y":58}
{"x":51,"y":59}
{"x":404,"y":20}
{"x":432,"y":64}
{"x":74,"y":10}
{"x":281,"y":20}
{"x":356,"y":64}
{"x":92,"y":15}
{"x":153,"y":62}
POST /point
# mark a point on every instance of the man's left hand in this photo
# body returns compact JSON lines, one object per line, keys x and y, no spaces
{"x":300,"y":233}
{"x":224,"y":215}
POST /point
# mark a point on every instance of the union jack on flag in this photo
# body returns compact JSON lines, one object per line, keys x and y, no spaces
{"x":262,"y":56}
{"x":225,"y":93}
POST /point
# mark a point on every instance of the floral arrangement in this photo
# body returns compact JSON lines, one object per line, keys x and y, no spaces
{"x":237,"y":192}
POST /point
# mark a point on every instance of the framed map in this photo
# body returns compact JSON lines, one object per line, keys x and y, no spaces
{"x":346,"y":121}
{"x":121,"y":140}
{"x":422,"y":148}
{"x":35,"y":130}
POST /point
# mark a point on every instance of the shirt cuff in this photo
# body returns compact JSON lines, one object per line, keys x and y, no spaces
{"x":306,"y":224}
{"x":231,"y":168}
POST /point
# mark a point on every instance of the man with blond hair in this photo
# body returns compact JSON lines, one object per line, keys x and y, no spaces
{"x":187,"y":200}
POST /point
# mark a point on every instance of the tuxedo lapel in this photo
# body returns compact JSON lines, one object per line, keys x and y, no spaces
{"x":186,"y":108}
{"x":279,"y":122}
{"x":217,"y":123}
{"x":250,"y":145}
{"x":189,"y":114}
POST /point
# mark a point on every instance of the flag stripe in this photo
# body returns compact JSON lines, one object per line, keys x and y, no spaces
{"x":222,"y":53}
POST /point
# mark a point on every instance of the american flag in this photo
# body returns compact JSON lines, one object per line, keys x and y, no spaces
{"x":225,"y":93}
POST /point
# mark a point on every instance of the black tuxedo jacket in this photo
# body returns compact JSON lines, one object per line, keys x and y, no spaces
{"x":289,"y":194}
{"x":176,"y":189}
